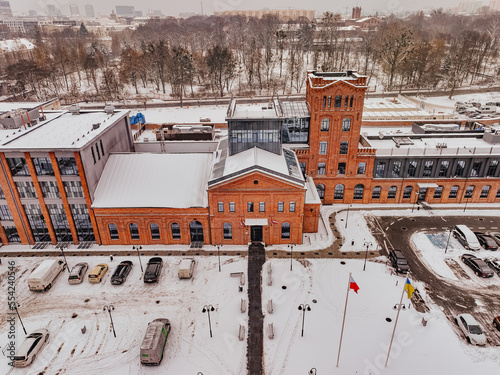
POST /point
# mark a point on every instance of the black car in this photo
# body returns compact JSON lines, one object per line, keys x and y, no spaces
{"x":494,"y":265}
{"x":153,"y":270}
{"x":486,"y":241}
{"x":121,"y":272}
{"x":398,"y":261}
{"x":478,"y":265}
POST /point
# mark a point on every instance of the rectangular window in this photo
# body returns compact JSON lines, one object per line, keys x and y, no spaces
{"x":321,"y":168}
{"x":346,"y":101}
{"x":329,"y":101}
{"x":43,"y":166}
{"x":443,"y":168}
{"x":392,"y":192}
{"x":228,"y":231}
{"x":343,"y":148}
{"x":5,"y":212}
{"x":476,"y":168}
{"x":352,"y":100}
{"x":346,"y":124}
{"x":26,"y":189}
{"x":396,"y":169}
{"x":93,"y":155}
{"x":281,"y":206}
{"x":380,"y":169}
{"x":59,"y":222}
{"x":362,"y":168}
{"x":11,"y":233}
{"x":250,"y":206}
{"x":453,"y":192}
{"x":232,"y":207}
{"x":176,"y":231}
{"x":324,"y":101}
{"x":407,"y":192}
{"x":73,"y":189}
{"x":428,"y":168}
{"x":459,"y":169}
{"x":325,"y":124}
{"x":412,"y":168}
{"x":102,"y":148}
{"x":262,"y":206}
{"x":341,"y":168}
{"x":338,"y":101}
{"x":18,"y":167}
{"x":50,"y":189}
{"x":492,"y":168}
{"x":323,"y":147}
{"x":2,"y":195}
{"x":67,"y":166}
{"x":438,"y":192}
{"x":220,"y":206}
{"x":97,"y":150}
{"x":376,"y":192}
{"x":292,"y":206}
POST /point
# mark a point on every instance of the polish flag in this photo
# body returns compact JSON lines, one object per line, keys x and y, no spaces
{"x":353,"y":285}
{"x":274,"y":222}
{"x":242,"y":223}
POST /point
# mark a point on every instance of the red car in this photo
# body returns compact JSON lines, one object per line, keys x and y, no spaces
{"x":496,"y":322}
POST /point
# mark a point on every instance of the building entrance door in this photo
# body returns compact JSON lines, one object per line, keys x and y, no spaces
{"x":422,"y":193}
{"x":256,"y":233}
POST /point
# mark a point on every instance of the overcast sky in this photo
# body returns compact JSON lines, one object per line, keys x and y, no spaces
{"x":173,"y":7}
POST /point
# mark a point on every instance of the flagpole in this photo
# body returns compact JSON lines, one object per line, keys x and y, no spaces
{"x":395,"y":323}
{"x":343,"y":320}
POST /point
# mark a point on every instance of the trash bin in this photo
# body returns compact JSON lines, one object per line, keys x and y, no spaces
{"x":424,"y":322}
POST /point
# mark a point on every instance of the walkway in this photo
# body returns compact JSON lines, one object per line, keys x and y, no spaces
{"x":255,"y":344}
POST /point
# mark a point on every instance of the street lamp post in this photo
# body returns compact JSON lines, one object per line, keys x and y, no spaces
{"x":291,"y":245}
{"x":138,"y":248}
{"x":64,"y":256}
{"x":207,"y":309}
{"x":312,"y":371}
{"x":110,"y":308}
{"x":448,"y":242}
{"x":218,"y":252}
{"x":367,"y":244}
{"x":303,"y":308}
{"x":347,"y":216}
{"x":415,"y":201}
{"x":16,"y":305}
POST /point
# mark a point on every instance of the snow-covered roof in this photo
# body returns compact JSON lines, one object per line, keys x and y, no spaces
{"x":185,"y":115}
{"x":312,"y":196}
{"x":14,"y":45}
{"x":154,"y":181}
{"x":66,"y":131}
{"x":284,"y":166}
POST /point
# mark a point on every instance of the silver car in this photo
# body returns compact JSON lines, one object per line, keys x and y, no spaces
{"x":77,"y":273}
{"x":28,"y":350}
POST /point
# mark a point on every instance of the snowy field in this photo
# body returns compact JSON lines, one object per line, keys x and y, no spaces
{"x":189,"y":347}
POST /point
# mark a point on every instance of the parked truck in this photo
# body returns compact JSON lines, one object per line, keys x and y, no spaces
{"x":155,"y":339}
{"x":44,"y":276}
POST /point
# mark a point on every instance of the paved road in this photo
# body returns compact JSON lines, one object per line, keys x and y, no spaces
{"x":464,"y":295}
{"x":255,"y":343}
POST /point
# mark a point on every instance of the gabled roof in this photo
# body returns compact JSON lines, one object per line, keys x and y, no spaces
{"x":284,"y":166}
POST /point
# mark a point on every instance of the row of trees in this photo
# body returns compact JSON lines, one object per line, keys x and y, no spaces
{"x":203,"y":56}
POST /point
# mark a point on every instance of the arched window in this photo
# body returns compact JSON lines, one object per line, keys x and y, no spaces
{"x":485,"y":191}
{"x":469,"y":191}
{"x":196,"y":231}
{"x":285,"y":231}
{"x":339,"y":192}
{"x":134,"y":231}
{"x":498,"y":193}
{"x":321,"y":190}
{"x":228,"y":231}
{"x":407,"y":192}
{"x":113,"y":231}
{"x":155,"y":231}
{"x":176,"y":231}
{"x":392,"y":192}
{"x":358,"y":191}
{"x":438,"y":192}
{"x":376,"y":192}
{"x":453,"y":192}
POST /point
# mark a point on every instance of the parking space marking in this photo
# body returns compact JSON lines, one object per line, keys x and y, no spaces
{"x":482,"y":227}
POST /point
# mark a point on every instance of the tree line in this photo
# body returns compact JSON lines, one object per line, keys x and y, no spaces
{"x":217,"y":56}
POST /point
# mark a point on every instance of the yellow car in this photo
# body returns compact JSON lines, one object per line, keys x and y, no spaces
{"x":97,"y":273}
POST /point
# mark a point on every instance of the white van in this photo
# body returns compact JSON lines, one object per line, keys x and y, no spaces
{"x":488,"y":110}
{"x":154,"y":342}
{"x":45,"y":274}
{"x":186,"y":268}
{"x":466,"y":237}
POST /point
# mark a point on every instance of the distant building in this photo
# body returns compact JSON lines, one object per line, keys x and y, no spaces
{"x":469,"y":6}
{"x":495,"y":5}
{"x":125,"y":11}
{"x":73,"y":8}
{"x":32,"y":13}
{"x":5,"y":10}
{"x":283,"y":14}
{"x":89,"y":11}
{"x":356,"y":13}
{"x":52,"y":10}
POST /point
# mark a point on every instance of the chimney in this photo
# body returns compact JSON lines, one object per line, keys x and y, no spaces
{"x":74,"y":109}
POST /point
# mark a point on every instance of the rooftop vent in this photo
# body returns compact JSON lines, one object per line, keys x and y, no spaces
{"x":109,"y":109}
{"x":96,"y":126}
{"x":74,"y":109}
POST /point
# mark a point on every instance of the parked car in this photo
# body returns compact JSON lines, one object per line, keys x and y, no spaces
{"x":478,"y":265}
{"x":28,"y":350}
{"x":154,"y":342}
{"x":486,"y":241}
{"x":78,"y":273}
{"x":153,"y":270}
{"x":496,"y":322}
{"x":494,"y":265}
{"x":398,"y":261}
{"x":495,"y":236}
{"x":121,"y":272}
{"x":186,"y":268}
{"x":471,"y":328}
{"x":45,"y":274}
{"x":97,"y":273}
{"x":466,"y":237}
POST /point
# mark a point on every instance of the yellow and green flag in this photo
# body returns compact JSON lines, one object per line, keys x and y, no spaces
{"x":409,"y":288}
